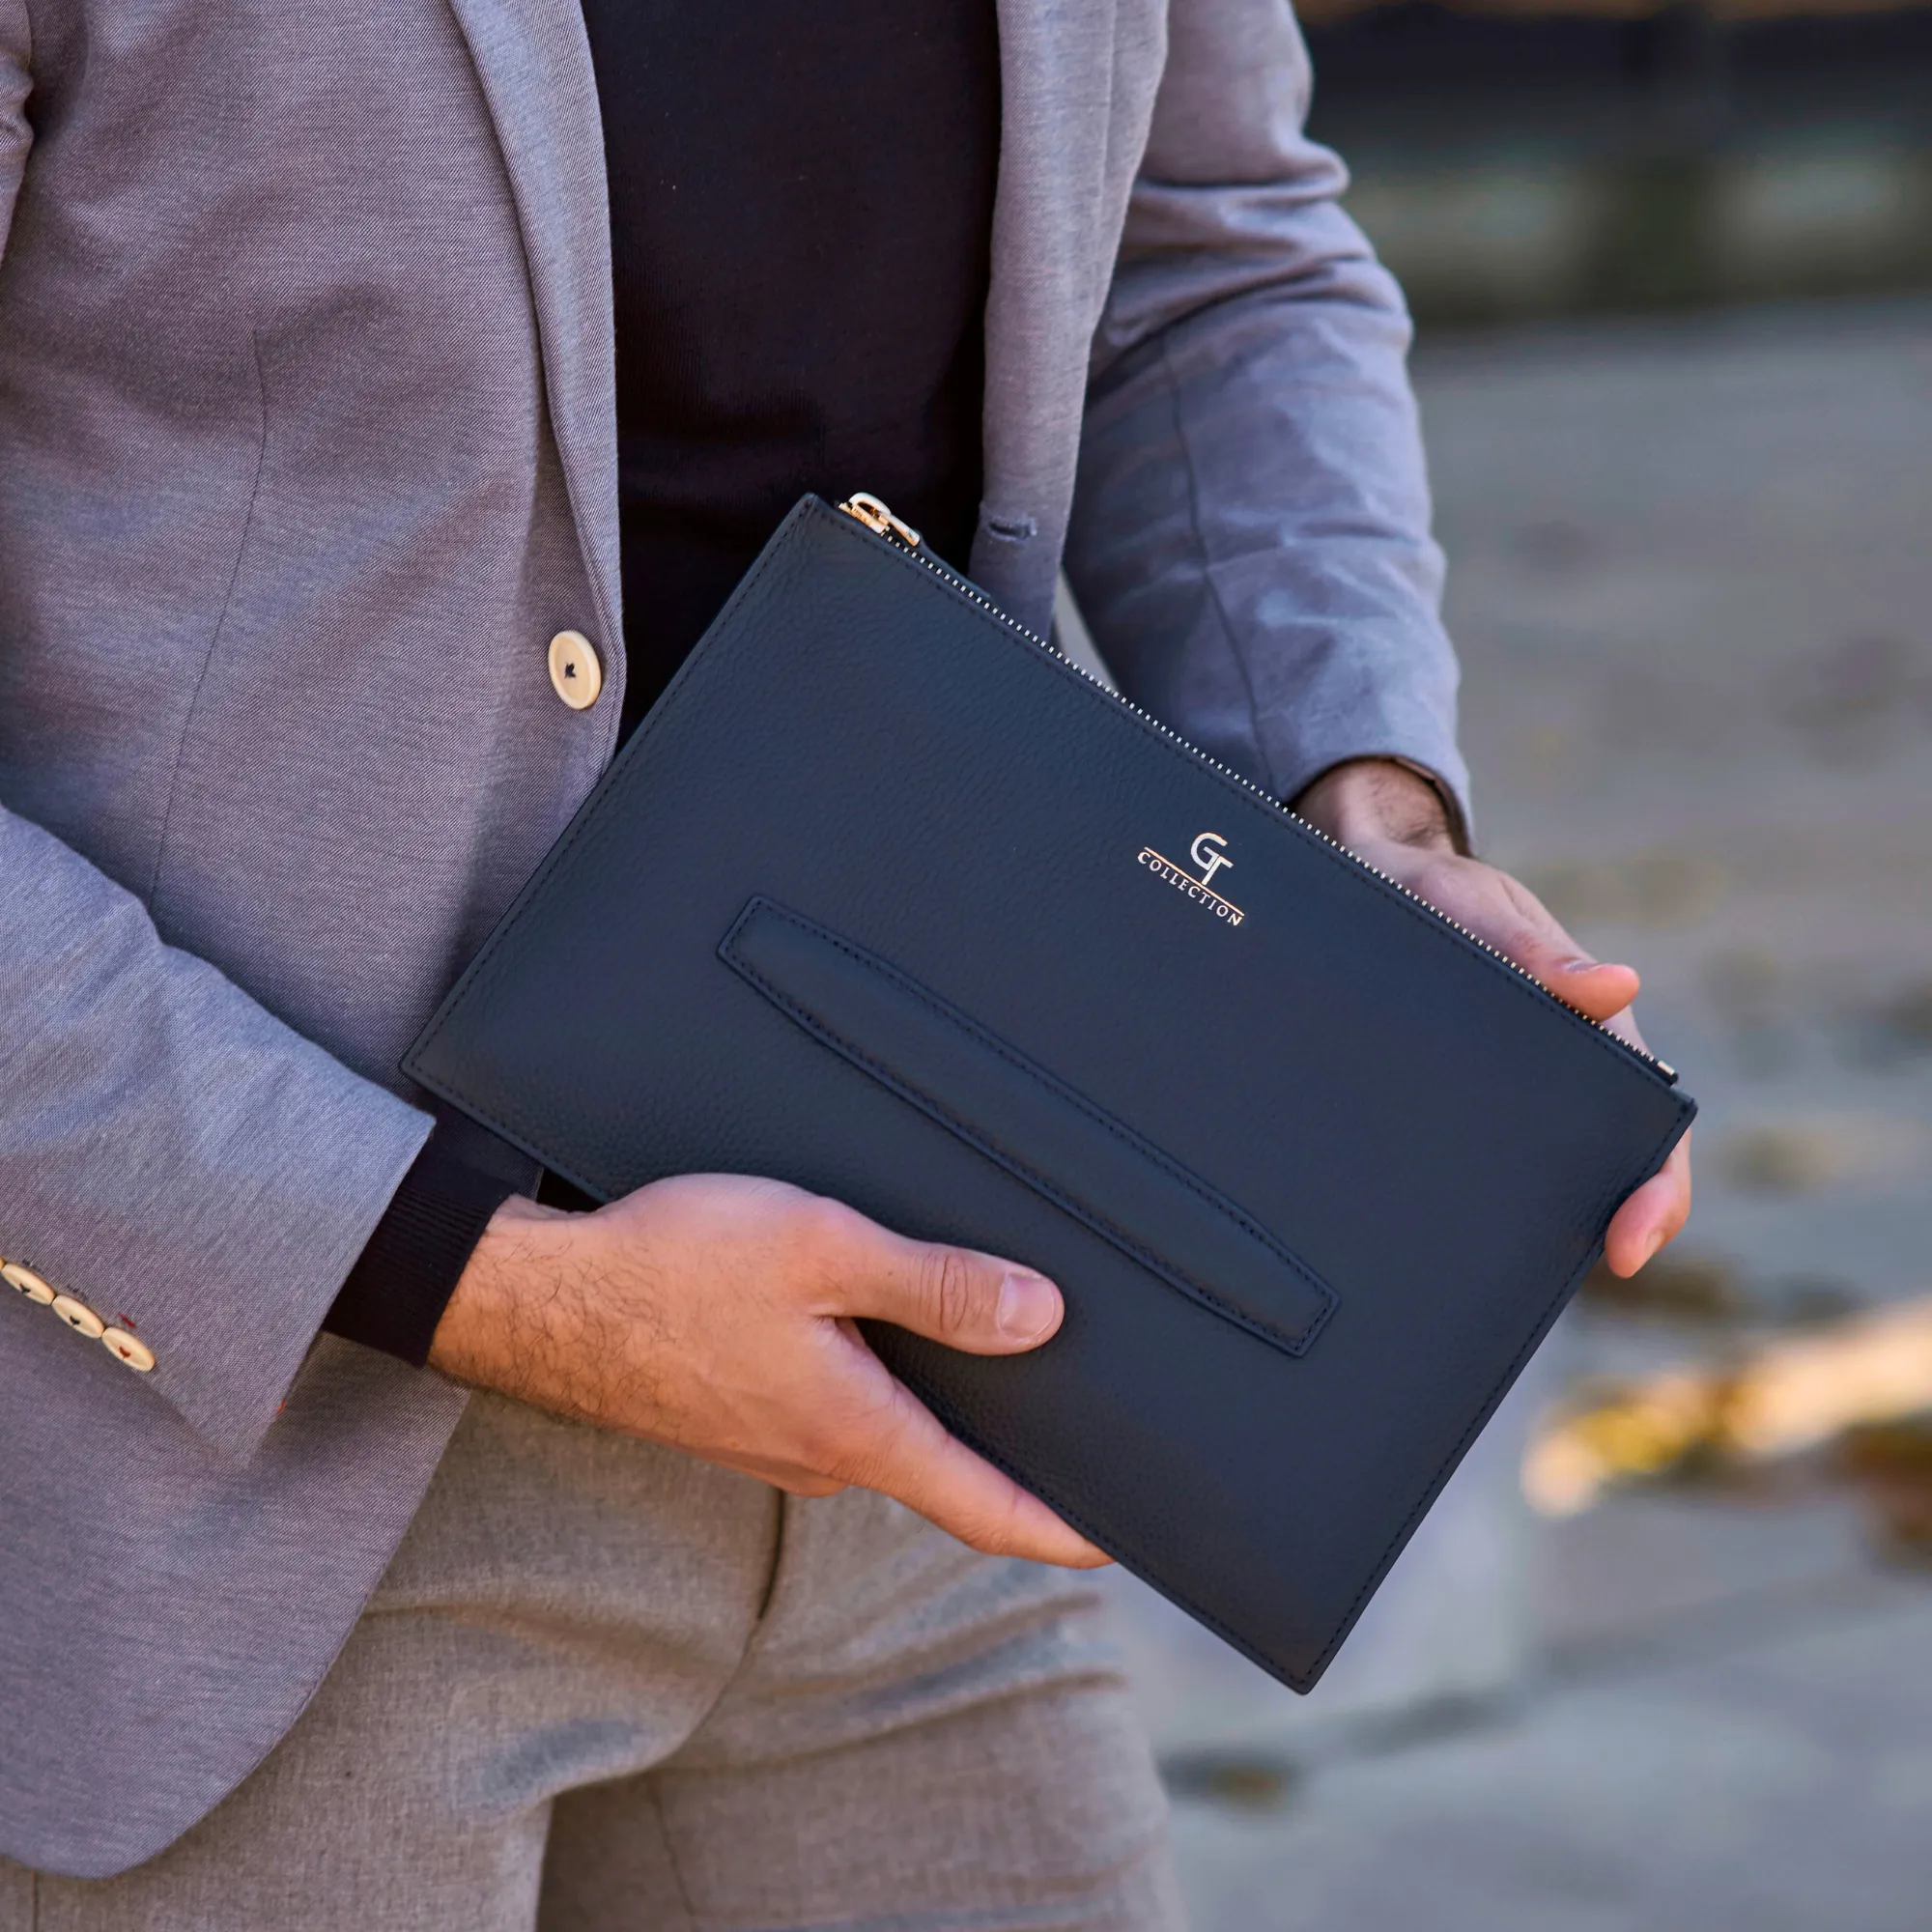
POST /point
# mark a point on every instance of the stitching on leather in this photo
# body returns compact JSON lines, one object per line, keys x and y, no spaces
{"x":1294,"y":1345}
{"x":1015,"y":1059}
{"x":1011,"y":1055}
{"x":973,"y":1029}
{"x":1157,"y":1265}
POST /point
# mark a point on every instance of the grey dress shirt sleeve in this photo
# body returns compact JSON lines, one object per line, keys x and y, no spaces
{"x":1250,"y":538}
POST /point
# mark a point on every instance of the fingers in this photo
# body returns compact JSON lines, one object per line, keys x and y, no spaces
{"x":888,"y":1440}
{"x":968,"y":1300}
{"x":904,"y":1451}
{"x":1652,"y":1215}
{"x":1658,"y":1209}
{"x":1507,"y":915}
{"x":1511,"y":918}
{"x":1529,"y":935}
{"x":1598,"y":991}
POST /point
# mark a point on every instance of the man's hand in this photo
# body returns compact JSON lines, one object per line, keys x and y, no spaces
{"x":1395,"y":819}
{"x":716,"y":1314}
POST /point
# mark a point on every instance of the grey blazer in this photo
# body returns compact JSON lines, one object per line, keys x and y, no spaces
{"x":306,"y":449}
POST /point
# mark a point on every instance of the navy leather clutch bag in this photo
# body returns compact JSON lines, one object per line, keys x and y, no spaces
{"x":888,"y":899}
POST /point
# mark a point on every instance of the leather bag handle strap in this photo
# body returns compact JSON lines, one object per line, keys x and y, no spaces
{"x":1063,"y":1145}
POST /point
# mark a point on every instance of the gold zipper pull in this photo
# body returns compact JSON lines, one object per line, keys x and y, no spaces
{"x":879,"y":520}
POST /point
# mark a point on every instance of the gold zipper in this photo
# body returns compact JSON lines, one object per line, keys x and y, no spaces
{"x":878,"y":519}
{"x":868,"y":510}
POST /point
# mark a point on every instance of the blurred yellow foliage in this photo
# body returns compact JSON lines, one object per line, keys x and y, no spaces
{"x":1782,"y":1399}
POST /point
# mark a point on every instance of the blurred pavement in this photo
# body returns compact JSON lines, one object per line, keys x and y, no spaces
{"x":1691,"y":578}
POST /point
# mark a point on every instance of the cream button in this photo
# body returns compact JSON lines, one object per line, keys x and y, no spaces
{"x":124,"y":1347}
{"x":26,"y":1281}
{"x":575,"y":674}
{"x":79,"y":1317}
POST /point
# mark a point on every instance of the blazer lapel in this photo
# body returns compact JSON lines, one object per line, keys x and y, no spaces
{"x":1077,"y":81}
{"x":533,"y":59}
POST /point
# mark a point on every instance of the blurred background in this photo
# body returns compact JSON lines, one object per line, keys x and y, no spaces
{"x":1662,"y":1658}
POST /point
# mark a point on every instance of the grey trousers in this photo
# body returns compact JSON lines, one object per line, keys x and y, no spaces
{"x":605,"y":1687}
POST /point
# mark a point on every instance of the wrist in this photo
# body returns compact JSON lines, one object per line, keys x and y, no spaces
{"x":521,"y":1262}
{"x":1372,"y":801}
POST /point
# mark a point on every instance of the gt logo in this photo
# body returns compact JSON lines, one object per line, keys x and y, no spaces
{"x":1209,"y":854}
{"x":1211,"y":858}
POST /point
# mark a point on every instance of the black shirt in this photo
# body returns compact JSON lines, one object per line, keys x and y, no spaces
{"x":801,"y":223}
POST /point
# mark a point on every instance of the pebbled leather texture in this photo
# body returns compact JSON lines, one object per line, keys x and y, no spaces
{"x":888,"y":900}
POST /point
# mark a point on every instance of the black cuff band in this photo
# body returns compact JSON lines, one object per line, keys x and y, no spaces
{"x":403,"y":1279}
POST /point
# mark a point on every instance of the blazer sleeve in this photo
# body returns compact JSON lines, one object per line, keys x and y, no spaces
{"x":172,"y":1157}
{"x":1250,"y":540}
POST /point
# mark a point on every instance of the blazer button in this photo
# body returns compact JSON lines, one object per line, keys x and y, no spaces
{"x":26,"y":1281}
{"x":79,"y":1317}
{"x":575,"y":674}
{"x":124,"y":1347}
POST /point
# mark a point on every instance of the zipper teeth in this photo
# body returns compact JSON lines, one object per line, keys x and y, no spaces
{"x":967,"y":589}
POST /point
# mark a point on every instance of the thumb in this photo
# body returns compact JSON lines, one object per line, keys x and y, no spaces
{"x":1594,"y":988}
{"x":968,"y":1300}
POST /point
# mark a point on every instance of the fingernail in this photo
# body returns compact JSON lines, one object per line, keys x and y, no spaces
{"x":1027,"y":1305}
{"x":1580,"y":964}
{"x":1656,"y":1242}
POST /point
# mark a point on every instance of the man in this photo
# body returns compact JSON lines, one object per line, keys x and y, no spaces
{"x":351,"y":358}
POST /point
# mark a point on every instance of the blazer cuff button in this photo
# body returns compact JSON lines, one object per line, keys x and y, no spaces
{"x":124,"y":1348}
{"x":78,"y":1317}
{"x":26,"y":1281}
